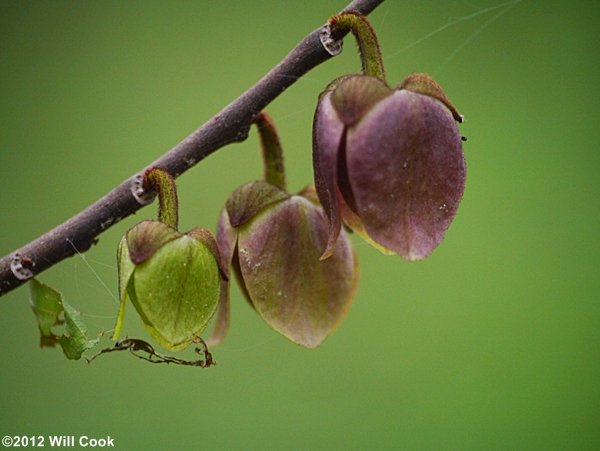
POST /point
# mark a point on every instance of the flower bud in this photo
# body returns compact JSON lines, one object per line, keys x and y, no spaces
{"x":388,"y":162}
{"x":274,"y":241}
{"x":172,"y":279}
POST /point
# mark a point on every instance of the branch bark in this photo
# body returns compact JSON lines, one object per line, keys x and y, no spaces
{"x":229,"y":125}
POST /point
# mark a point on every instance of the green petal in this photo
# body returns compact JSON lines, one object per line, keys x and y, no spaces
{"x":221,"y":326}
{"x":125,"y":268}
{"x":176,"y":291}
{"x":298,"y":295}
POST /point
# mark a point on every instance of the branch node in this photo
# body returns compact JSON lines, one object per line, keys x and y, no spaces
{"x":142,"y":196}
{"x":21,"y":267}
{"x":330,"y":44}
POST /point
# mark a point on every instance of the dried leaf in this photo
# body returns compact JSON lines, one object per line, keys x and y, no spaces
{"x":145,"y":351}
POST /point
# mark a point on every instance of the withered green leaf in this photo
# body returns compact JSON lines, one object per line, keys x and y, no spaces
{"x":48,"y":305}
{"x":74,"y":340}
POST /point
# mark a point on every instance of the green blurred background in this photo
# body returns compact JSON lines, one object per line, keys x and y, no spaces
{"x":491,"y":343}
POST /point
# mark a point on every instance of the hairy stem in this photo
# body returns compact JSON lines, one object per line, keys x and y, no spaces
{"x":271,"y":150}
{"x":231,"y":124}
{"x":366,"y":38}
{"x":168,"y":207}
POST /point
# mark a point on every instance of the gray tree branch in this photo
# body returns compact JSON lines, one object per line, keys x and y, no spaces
{"x":229,"y":125}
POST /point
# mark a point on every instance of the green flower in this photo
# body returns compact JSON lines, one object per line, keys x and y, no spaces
{"x":172,"y":279}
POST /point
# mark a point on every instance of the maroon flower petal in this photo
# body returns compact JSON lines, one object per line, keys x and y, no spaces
{"x":424,"y":84}
{"x":207,"y":238}
{"x":226,"y":239}
{"x":295,"y":292}
{"x":407,"y":171}
{"x":147,"y":237}
{"x":249,"y":199}
{"x":356,"y":94}
{"x":221,"y":327}
{"x":328,"y":131}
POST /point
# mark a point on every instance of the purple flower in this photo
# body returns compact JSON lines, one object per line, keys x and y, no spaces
{"x":388,"y":162}
{"x":273,"y":241}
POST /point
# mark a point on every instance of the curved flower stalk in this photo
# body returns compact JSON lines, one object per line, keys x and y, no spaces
{"x":273,"y":240}
{"x":388,"y":162}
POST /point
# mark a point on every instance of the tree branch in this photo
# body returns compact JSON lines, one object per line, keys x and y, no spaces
{"x":229,"y":125}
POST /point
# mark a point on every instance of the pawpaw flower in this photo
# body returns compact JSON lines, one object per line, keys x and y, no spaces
{"x":173,"y":279}
{"x":274,"y":240}
{"x":388,"y":162}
